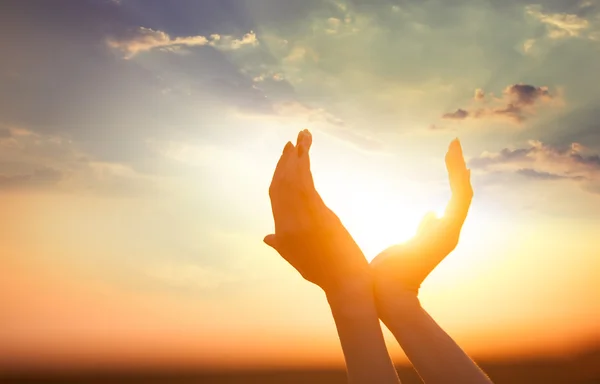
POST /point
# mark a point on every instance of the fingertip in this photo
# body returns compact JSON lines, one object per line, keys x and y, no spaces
{"x":299,"y":138}
{"x":455,"y":156}
{"x":288,"y":146}
{"x":307,"y":138}
{"x":304,"y":142}
{"x":270,"y":240}
{"x":455,"y":144}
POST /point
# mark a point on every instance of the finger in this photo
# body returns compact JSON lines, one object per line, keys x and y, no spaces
{"x":460,"y":184}
{"x":296,"y":186}
{"x":287,"y":152}
{"x":284,"y":170}
{"x":457,"y":210}
{"x":287,"y":149}
{"x":455,"y":162}
{"x":458,"y":173}
{"x":280,"y":203}
{"x":282,"y":246}
{"x":303,"y":142}
{"x":303,"y":145}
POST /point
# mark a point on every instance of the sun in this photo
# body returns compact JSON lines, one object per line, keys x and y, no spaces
{"x":381,"y":225}
{"x":379,"y":217}
{"x":378,"y":204}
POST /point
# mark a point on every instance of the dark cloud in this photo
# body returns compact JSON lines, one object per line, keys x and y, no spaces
{"x":524,"y":94}
{"x":504,"y":156}
{"x":538,"y":151}
{"x":459,"y":114}
{"x":544,"y":162}
{"x":533,"y":174}
{"x":511,"y":111}
{"x":517,"y":103}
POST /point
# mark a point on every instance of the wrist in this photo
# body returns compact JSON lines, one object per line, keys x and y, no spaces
{"x":350,"y":297}
{"x":393,"y":300}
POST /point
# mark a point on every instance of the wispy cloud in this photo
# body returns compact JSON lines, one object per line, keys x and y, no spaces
{"x":559,"y":25}
{"x":147,"y":39}
{"x":34,"y":160}
{"x":40,"y":177}
{"x":545,"y":162}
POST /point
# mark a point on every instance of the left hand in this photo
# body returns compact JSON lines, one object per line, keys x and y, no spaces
{"x":307,"y":233}
{"x":405,"y":266}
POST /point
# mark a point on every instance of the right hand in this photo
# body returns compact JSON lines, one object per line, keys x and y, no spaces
{"x":405,"y":266}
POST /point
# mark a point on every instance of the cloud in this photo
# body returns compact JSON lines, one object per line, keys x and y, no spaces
{"x":333,"y":25}
{"x":146,"y":39}
{"x":528,"y":45}
{"x":300,"y":53}
{"x":459,"y":114}
{"x":517,"y":103}
{"x":524,"y":94}
{"x":38,"y":178}
{"x":25,"y":146}
{"x":479,"y":94}
{"x":268,"y":75}
{"x":533,"y":174}
{"x":541,"y":161}
{"x":34,"y":160}
{"x":559,"y":25}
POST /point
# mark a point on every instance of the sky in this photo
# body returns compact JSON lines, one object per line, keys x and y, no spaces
{"x":138,"y":139}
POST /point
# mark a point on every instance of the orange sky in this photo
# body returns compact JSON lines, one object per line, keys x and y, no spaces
{"x":138,"y":139}
{"x":525,"y":291}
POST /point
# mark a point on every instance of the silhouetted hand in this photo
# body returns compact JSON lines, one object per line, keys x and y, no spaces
{"x":405,"y":266}
{"x":307,"y":233}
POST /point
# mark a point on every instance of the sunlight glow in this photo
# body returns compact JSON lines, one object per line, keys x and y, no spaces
{"x":378,"y":217}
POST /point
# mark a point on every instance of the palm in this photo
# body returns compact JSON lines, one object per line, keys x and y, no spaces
{"x":407,"y":265}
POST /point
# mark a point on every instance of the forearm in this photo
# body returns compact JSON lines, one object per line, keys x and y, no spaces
{"x":355,"y":315}
{"x":432,"y":352}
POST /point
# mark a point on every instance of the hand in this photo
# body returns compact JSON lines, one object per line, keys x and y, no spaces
{"x":307,"y":233}
{"x":405,"y":266}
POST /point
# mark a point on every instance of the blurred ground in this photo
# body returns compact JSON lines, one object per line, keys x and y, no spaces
{"x":583,"y":368}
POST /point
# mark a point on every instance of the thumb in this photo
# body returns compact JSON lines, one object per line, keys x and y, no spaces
{"x":427,"y":221}
{"x":271,"y":241}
